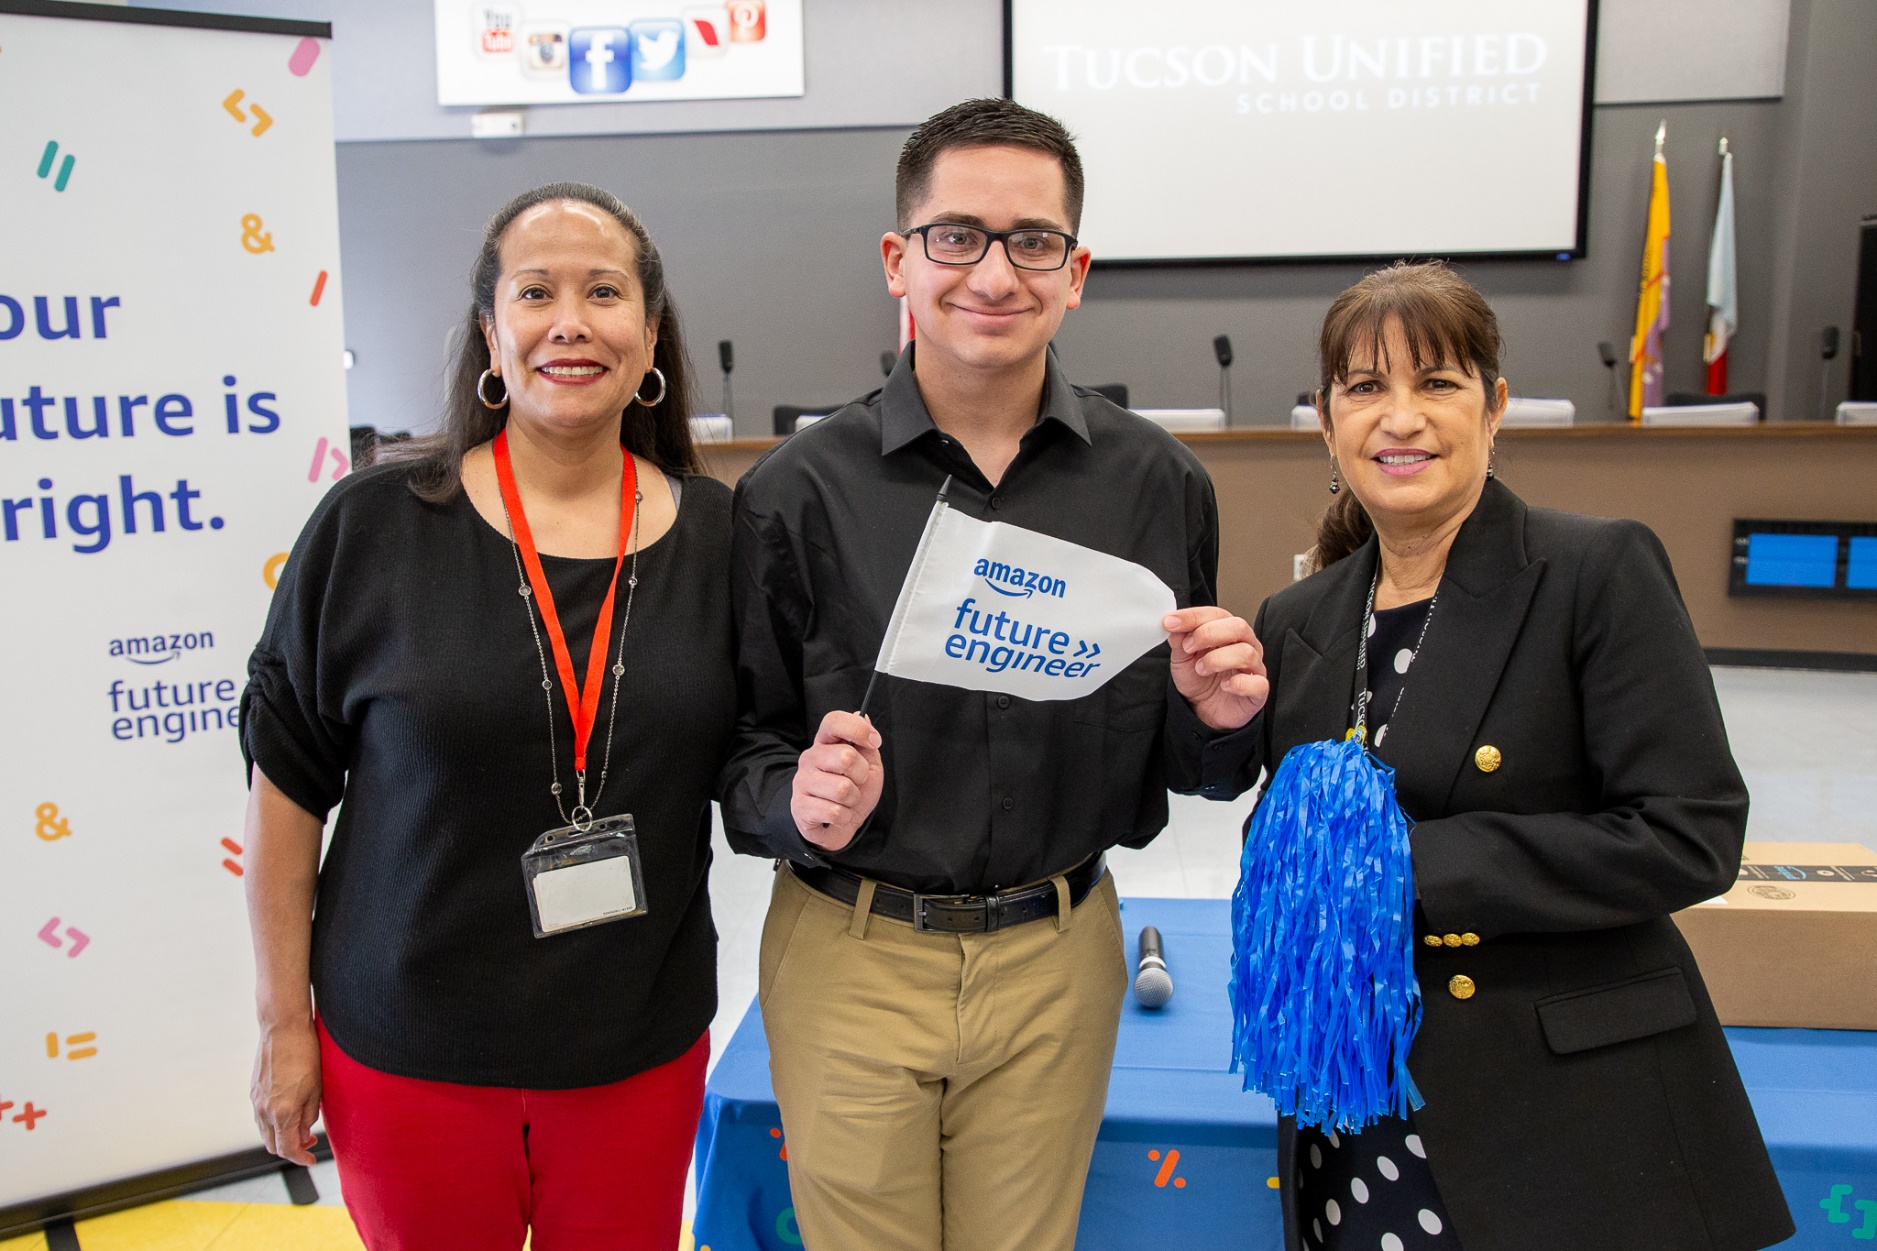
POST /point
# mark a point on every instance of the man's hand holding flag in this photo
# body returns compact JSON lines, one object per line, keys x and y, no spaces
{"x":1218,"y":666}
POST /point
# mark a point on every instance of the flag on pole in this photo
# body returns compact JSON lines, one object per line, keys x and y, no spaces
{"x":1645,"y":346}
{"x":1723,"y":296}
{"x":993,"y":607}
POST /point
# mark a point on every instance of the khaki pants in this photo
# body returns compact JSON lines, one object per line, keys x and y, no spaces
{"x":939,"y":1091}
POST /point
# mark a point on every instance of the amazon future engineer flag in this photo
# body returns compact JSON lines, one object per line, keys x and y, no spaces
{"x":993,"y":607}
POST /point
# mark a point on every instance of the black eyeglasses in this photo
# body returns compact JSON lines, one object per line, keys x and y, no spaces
{"x":951,"y":243}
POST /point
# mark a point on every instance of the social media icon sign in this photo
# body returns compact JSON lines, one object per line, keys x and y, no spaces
{"x":706,"y":31}
{"x":495,"y":31}
{"x":749,"y":21}
{"x":544,"y":50}
{"x":658,"y":49}
{"x":599,"y":60}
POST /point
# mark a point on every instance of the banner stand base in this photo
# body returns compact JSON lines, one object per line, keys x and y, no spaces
{"x":56,"y":1214}
{"x":300,"y":1185}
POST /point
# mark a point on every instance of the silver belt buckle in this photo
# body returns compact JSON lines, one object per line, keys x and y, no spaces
{"x":921,"y":903}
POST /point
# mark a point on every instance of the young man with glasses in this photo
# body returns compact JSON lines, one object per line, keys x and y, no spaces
{"x":943,"y":961}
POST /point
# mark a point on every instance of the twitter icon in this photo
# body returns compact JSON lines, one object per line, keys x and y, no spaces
{"x":657,"y":49}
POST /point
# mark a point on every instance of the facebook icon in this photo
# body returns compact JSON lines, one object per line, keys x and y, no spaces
{"x":598,"y":60}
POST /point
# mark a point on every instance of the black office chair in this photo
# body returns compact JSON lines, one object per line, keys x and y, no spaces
{"x":1683,"y":399}
{"x":787,"y":413}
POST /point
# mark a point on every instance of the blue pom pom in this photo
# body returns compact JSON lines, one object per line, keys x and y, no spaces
{"x":1324,"y":998}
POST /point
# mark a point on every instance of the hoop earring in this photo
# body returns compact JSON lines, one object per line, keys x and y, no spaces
{"x":1336,"y":483}
{"x":658,"y":399}
{"x":482,"y":383}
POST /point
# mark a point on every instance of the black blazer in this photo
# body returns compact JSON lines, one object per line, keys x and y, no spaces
{"x":1584,"y":1096}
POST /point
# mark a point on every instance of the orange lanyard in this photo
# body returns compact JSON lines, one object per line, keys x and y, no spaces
{"x":583,"y":705}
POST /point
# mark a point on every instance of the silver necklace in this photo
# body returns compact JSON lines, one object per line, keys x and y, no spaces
{"x":581,"y":817}
{"x":1361,"y":732}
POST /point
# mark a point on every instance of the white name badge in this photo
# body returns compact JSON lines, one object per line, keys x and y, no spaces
{"x":577,"y":878}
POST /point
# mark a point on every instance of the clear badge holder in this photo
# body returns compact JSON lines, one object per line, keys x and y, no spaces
{"x":579,"y":877}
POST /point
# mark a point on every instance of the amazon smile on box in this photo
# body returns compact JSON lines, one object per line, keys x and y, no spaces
{"x":1794,"y":943}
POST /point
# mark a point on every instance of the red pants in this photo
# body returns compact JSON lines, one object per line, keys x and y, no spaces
{"x":433,"y":1166}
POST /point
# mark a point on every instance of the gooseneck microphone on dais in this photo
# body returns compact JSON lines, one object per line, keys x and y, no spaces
{"x":726,"y":357}
{"x":1222,"y":352}
{"x":1153,"y":986}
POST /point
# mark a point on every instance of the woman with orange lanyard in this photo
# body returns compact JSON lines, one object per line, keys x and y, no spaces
{"x":509,"y":944}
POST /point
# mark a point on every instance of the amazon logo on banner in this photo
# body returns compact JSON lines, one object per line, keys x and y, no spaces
{"x":160,"y":649}
{"x":1018,"y":583}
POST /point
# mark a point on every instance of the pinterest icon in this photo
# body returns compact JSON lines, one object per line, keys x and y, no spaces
{"x":748,"y":21}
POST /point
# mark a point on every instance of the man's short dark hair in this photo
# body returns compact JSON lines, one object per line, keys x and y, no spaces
{"x":987,"y":123}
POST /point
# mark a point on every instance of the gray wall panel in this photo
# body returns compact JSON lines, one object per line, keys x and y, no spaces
{"x":769,"y":239}
{"x":1826,"y":181}
{"x":1655,"y":50}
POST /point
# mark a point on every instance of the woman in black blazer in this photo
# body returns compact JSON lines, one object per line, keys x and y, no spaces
{"x":1538,"y":688}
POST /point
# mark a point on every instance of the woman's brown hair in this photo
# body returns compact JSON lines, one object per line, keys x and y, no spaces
{"x":1445,"y":321}
{"x":661,"y":433}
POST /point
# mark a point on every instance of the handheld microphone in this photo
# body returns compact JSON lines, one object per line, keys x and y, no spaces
{"x":887,"y":361}
{"x":726,"y":356}
{"x":1222,"y":348}
{"x":1153,"y":987}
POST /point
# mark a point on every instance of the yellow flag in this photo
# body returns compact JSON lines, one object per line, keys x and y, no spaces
{"x":1645,"y":346}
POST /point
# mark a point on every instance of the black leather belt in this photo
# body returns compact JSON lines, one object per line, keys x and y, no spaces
{"x":957,"y":914}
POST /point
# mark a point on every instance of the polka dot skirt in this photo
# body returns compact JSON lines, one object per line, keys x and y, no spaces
{"x":1369,"y":1191}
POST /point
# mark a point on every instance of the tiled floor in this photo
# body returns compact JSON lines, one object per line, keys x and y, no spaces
{"x":1807,"y":743}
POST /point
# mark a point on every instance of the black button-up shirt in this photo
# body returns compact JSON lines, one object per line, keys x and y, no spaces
{"x":983,"y":791}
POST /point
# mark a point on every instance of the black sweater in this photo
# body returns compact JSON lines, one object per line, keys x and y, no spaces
{"x":397,"y":672}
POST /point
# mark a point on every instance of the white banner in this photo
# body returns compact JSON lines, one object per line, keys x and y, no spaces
{"x":172,"y":405}
{"x":994,"y":607}
{"x":605,"y":51}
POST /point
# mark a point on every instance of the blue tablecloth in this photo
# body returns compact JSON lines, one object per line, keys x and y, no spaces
{"x":1186,"y":1159}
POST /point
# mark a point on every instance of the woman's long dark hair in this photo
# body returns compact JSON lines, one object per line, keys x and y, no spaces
{"x":1445,"y":321}
{"x":661,"y":433}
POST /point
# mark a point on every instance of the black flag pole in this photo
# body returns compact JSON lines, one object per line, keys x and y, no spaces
{"x":898,"y":618}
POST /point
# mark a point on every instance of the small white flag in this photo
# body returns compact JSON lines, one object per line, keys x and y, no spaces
{"x":994,"y":607}
{"x":1723,"y":288}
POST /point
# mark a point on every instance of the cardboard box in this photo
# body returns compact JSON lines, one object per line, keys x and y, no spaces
{"x":1794,"y":943}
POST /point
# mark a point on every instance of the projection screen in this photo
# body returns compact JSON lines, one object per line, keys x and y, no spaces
{"x":1268,"y":129}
